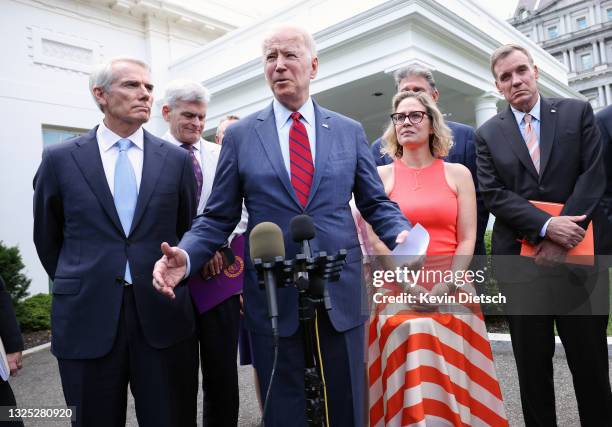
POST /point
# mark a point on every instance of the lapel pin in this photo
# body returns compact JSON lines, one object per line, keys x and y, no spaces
{"x":552,"y":110}
{"x":325,"y":125}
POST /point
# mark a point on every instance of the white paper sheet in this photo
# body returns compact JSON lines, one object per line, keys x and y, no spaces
{"x":413,"y":248}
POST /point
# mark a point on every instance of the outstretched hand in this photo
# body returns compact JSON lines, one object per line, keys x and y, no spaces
{"x":169,"y":270}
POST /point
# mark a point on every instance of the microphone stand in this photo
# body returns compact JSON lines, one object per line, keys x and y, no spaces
{"x":308,"y":275}
{"x":312,"y":295}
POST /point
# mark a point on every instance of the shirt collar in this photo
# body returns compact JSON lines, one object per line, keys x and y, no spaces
{"x":535,"y":112}
{"x":170,"y":138}
{"x":282,"y":113}
{"x":107,"y":138}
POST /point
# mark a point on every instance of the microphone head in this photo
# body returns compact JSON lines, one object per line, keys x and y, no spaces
{"x":266,"y":242}
{"x":301,"y":228}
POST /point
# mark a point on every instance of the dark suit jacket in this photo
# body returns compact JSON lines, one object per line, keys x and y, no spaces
{"x":83,"y":248}
{"x":9,"y":328}
{"x":251,"y":166}
{"x":463,"y":151}
{"x":571,"y":170}
{"x":604,"y":122}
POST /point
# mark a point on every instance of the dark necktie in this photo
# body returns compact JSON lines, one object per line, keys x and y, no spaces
{"x":197,"y":170}
{"x":302,"y":167}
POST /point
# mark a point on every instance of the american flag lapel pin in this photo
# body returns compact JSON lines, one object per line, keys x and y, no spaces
{"x":552,"y":110}
{"x":325,"y":125}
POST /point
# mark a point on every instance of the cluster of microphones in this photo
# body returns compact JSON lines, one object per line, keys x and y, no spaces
{"x":308,"y":271}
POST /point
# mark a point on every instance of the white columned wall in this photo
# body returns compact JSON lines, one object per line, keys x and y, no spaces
{"x":572,"y":56}
{"x":596,"y":59}
{"x":485,"y":107}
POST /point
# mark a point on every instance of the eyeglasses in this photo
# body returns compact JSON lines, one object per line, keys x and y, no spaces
{"x":414,"y":117}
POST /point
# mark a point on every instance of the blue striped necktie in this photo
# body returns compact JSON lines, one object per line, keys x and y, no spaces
{"x":126,"y":193}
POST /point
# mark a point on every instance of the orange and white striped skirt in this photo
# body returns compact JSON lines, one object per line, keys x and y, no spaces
{"x":432,"y":369}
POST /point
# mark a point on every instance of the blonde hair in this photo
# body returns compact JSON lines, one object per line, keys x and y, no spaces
{"x":440,"y":142}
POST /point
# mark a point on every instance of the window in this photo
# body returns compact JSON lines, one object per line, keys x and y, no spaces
{"x":53,"y":135}
{"x":553,"y":32}
{"x":586,"y":61}
{"x":581,"y":23}
{"x":609,"y":13}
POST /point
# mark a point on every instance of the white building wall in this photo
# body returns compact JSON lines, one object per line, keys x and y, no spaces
{"x":46,"y":83}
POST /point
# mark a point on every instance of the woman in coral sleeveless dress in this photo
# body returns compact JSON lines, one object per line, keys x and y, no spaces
{"x":426,"y":367}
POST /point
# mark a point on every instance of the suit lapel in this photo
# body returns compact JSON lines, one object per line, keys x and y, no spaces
{"x":153,"y":160}
{"x":268,"y":136}
{"x":548,"y":124}
{"x":87,"y":157}
{"x":512,"y":134}
{"x":324,"y":137}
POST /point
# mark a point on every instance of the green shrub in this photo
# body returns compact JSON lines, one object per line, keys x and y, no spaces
{"x":11,"y":264}
{"x":487,"y":239}
{"x":34,"y":313}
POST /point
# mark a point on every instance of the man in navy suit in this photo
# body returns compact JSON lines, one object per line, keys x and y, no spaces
{"x":604,"y":122}
{"x":278,"y":180}
{"x":417,"y":78}
{"x":102,"y":202}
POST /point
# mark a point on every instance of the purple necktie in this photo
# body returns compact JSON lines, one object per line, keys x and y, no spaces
{"x":197,"y":170}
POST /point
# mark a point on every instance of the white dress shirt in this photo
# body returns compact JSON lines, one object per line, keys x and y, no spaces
{"x":207,"y":155}
{"x":282,"y":115}
{"x":109,"y":151}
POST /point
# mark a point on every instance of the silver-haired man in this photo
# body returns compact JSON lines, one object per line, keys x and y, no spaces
{"x":101,"y":203}
{"x":215,"y":292}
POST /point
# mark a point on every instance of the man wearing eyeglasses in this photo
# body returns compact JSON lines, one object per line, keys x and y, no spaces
{"x":416,"y":78}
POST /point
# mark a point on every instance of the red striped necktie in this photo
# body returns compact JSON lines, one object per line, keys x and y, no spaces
{"x":302,"y":167}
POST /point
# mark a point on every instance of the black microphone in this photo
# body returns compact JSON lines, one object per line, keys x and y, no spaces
{"x":266,"y":243}
{"x":302,"y":230}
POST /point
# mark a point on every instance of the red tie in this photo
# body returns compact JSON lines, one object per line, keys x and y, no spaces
{"x":302,"y":168}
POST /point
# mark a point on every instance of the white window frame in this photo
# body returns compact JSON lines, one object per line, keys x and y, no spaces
{"x":579,"y":18}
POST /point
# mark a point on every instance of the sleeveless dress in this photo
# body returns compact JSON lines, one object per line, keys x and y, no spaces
{"x":431,"y":368}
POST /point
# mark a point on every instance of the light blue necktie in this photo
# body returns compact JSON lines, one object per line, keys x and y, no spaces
{"x":126,"y":193}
